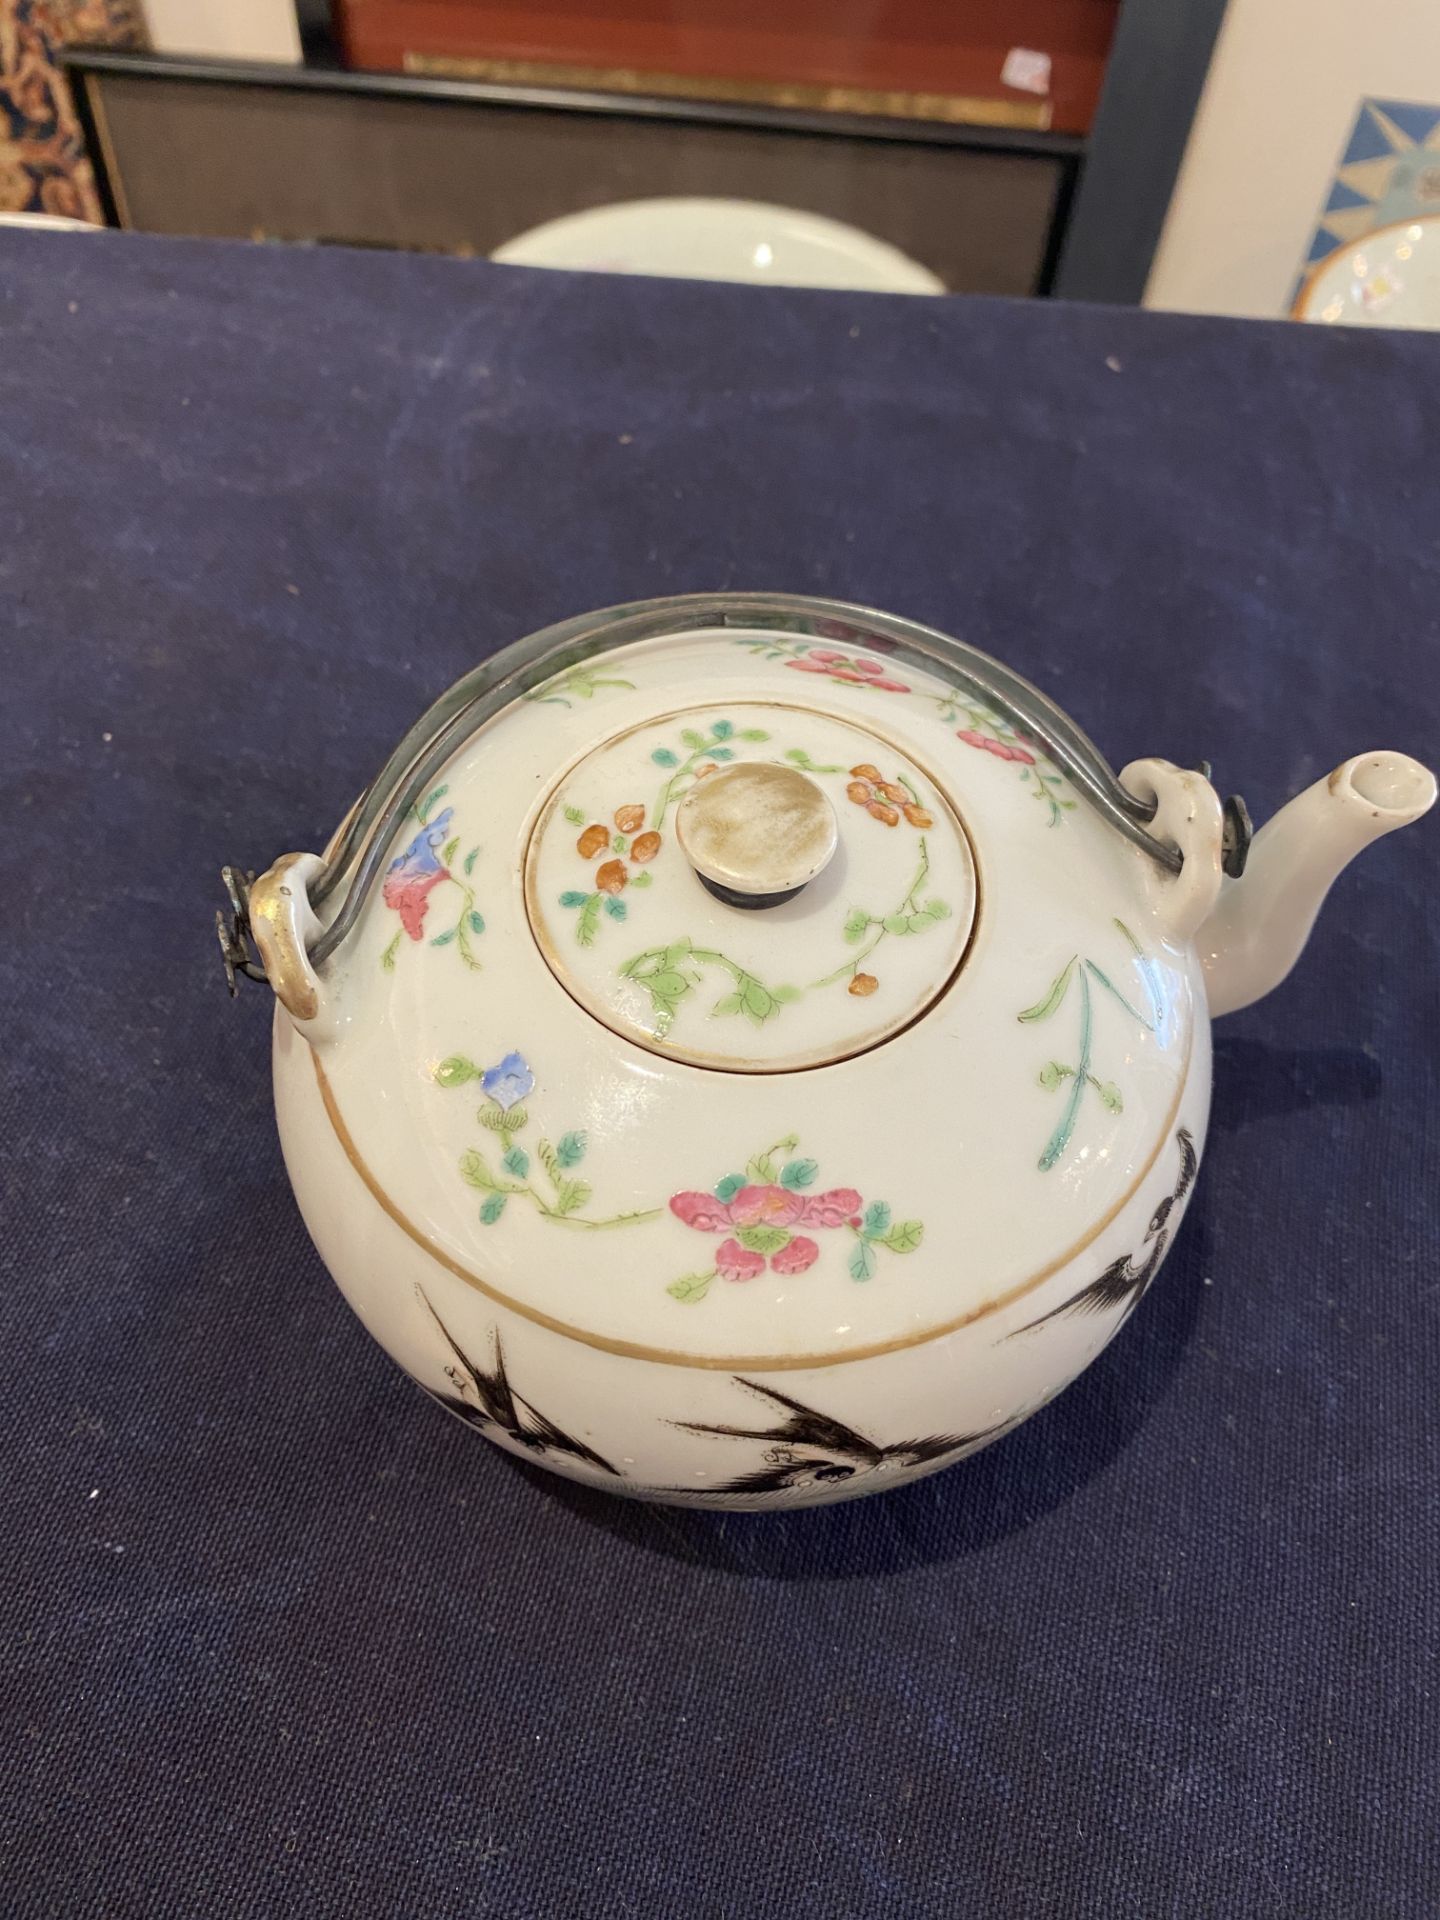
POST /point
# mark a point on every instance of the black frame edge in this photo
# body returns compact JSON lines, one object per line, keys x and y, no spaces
{"x":1156,"y":73}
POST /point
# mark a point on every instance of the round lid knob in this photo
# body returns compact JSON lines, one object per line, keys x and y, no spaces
{"x":757,"y":832}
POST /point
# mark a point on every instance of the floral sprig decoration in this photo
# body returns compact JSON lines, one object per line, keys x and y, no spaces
{"x":853,"y":669}
{"x":561,"y":1199}
{"x":887,"y":801}
{"x":631,"y":849}
{"x":1079,"y":1077}
{"x":705,"y":753}
{"x":987,"y":732}
{"x":414,"y":875}
{"x":760,"y":1213}
{"x":579,"y":683}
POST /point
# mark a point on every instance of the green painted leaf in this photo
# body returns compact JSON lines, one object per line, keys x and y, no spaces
{"x":571,"y":1149}
{"x":663,"y":757}
{"x":641,"y":879}
{"x":1052,"y":1073}
{"x":730,"y":1003}
{"x":494,"y":1206}
{"x":784,"y":995}
{"x":619,"y":844}
{"x":904,"y":1236}
{"x":1110,"y":987}
{"x":452,"y":847}
{"x":573,"y":898}
{"x":857,"y":925}
{"x":475,"y":921}
{"x":723,"y":729}
{"x":444,"y":939}
{"x":692,"y":1287}
{"x":575,"y":816}
{"x":387,"y":958}
{"x":862,"y":1261}
{"x":757,"y":1003}
{"x":423,"y":810}
{"x":475,"y":1173}
{"x":758,"y":733}
{"x":877,"y":1219}
{"x":586,"y":924}
{"x":721,"y":753}
{"x":677,"y":950}
{"x":516,"y":1161}
{"x":936,"y":910}
{"x":455,"y":1071}
{"x":693,"y":739}
{"x":470,"y":859}
{"x":726,"y":1189}
{"x":498,"y":1121}
{"x":798,"y":1173}
{"x":616,"y":909}
{"x":667,"y":984}
{"x":762,"y":1168}
{"x":763,"y":1239}
{"x":1043,"y":1009}
{"x":1110,"y":1096}
{"x":571,"y":1195}
{"x":896,"y":923}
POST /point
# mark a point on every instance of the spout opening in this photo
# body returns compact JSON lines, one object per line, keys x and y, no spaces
{"x":1390,"y":784}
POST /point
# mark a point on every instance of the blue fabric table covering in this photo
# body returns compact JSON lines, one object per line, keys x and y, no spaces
{"x":278,"y":1637}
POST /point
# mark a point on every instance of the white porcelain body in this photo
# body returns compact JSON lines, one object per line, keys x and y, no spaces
{"x":874,"y":1422}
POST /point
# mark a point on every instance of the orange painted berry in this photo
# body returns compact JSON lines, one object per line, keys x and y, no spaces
{"x":859,"y":792}
{"x":917,"y":816}
{"x":592,"y":841}
{"x":611,"y":877}
{"x":629,"y":819}
{"x":863,"y":984}
{"x":644,"y":848}
{"x":877,"y":810}
{"x":866,"y":772}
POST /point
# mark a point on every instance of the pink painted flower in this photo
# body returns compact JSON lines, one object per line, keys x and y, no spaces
{"x":412,"y":875}
{"x":734,"y":1262}
{"x":856,"y":669}
{"x":702,"y":1211}
{"x":831,"y":1209}
{"x":1002,"y":749}
{"x":767,"y":1206}
{"x":800,"y":1254}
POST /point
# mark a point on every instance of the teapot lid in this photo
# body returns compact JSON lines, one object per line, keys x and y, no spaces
{"x":746,"y":939}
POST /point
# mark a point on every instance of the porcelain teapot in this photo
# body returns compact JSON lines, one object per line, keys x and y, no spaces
{"x":746,"y":1050}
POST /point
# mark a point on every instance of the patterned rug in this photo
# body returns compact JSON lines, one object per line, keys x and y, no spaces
{"x":43,"y":167}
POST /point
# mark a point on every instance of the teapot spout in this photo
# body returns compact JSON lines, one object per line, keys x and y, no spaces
{"x":1260,"y":923}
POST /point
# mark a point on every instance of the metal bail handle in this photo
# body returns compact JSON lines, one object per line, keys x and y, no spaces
{"x":520,"y":671}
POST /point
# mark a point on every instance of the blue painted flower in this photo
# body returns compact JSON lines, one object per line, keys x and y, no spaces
{"x":411,"y":875}
{"x":508,"y":1083}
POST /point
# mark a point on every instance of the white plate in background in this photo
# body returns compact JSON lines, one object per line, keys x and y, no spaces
{"x":701,"y":239}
